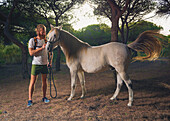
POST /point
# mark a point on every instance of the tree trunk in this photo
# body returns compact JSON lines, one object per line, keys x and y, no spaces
{"x":114,"y":35}
{"x":24,"y":63}
{"x":114,"y":28}
{"x":122,"y":32}
{"x":23,"y":48}
{"x":122,"y":36}
{"x":58,"y":58}
{"x":15,"y":41}
{"x":58,"y":53}
{"x":127,"y":33}
{"x":48,"y":23}
{"x":116,"y":14}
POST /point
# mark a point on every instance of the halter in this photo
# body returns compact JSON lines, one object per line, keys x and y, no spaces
{"x":56,"y":39}
{"x":51,"y":43}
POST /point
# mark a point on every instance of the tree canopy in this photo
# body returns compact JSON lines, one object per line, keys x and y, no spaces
{"x":95,"y":34}
{"x":163,"y":7}
{"x":140,"y":27}
{"x":22,"y":16}
{"x":134,"y":12}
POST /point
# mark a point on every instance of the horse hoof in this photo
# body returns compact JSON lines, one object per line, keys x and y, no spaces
{"x":112,"y":98}
{"x":129,"y":104}
{"x":82,"y":97}
{"x":69,"y":99}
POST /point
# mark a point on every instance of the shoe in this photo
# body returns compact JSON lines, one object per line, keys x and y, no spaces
{"x":29,"y":103}
{"x":46,"y":100}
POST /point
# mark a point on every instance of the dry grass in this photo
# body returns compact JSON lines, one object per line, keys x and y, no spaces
{"x":151,"y":96}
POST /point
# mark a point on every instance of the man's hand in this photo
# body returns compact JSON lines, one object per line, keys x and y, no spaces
{"x":43,"y":47}
{"x":49,"y":65}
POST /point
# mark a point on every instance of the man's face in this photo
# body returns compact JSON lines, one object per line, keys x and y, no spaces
{"x":41,"y":32}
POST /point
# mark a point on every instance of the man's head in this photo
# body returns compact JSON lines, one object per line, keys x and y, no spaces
{"x":41,"y":30}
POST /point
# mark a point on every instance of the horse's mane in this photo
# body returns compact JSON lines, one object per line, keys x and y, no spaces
{"x":71,"y":44}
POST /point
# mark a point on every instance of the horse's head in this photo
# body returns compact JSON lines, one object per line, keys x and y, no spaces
{"x":53,"y":38}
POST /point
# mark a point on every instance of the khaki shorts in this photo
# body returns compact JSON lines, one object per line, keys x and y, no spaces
{"x":37,"y":69}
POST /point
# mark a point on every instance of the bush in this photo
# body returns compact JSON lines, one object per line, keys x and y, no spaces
{"x":2,"y":61}
{"x":11,"y":54}
{"x":166,"y":51}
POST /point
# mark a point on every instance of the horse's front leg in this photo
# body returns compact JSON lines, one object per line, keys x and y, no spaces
{"x":82,"y":82}
{"x":73,"y":84}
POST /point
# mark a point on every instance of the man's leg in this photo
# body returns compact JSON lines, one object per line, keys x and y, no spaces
{"x":31,"y":86}
{"x":44,"y":88}
{"x":44,"y":84}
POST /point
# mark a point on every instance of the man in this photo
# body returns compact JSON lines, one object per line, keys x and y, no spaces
{"x":39,"y":63}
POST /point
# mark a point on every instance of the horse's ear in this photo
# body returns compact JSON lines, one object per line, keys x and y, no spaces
{"x":60,"y":27}
{"x":51,"y":26}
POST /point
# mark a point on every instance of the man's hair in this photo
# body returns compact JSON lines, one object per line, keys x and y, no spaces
{"x":40,"y":26}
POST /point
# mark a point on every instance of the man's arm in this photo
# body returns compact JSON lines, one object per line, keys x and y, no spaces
{"x":34,"y":52}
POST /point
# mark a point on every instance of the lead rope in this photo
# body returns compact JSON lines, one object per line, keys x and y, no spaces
{"x":51,"y":78}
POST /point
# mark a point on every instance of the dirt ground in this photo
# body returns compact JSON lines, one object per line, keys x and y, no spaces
{"x":151,"y":86}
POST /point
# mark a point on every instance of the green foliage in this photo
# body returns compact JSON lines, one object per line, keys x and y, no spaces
{"x":144,"y":26}
{"x":96,"y":34}
{"x":1,"y":54}
{"x":166,"y":48}
{"x":69,"y":28}
{"x":10,"y":54}
{"x":166,"y":51}
{"x":168,"y":38}
{"x":140,"y":27}
{"x":135,"y":11}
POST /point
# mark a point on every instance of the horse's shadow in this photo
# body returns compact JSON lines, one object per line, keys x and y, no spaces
{"x":139,"y":86}
{"x":145,"y":86}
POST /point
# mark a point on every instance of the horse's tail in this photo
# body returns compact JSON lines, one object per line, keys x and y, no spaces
{"x":149,"y":43}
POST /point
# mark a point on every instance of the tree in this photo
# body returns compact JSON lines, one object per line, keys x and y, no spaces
{"x":163,"y":7}
{"x":134,"y":12}
{"x":56,"y":10}
{"x":117,"y":8}
{"x":53,"y":11}
{"x":18,"y":26}
{"x":6,"y":21}
{"x":117,"y":12}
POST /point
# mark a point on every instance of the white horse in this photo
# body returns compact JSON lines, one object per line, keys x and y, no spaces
{"x":81,"y":57}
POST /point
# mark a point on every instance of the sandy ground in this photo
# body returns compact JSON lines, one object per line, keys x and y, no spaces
{"x":151,"y":85}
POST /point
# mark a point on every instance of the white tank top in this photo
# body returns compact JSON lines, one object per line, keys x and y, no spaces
{"x":40,"y":58}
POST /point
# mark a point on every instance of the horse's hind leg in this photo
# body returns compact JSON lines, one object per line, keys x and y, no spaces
{"x":119,"y":85}
{"x":82,"y":82}
{"x":128,"y":83}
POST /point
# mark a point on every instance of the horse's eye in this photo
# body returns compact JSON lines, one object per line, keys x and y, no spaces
{"x":54,"y":35}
